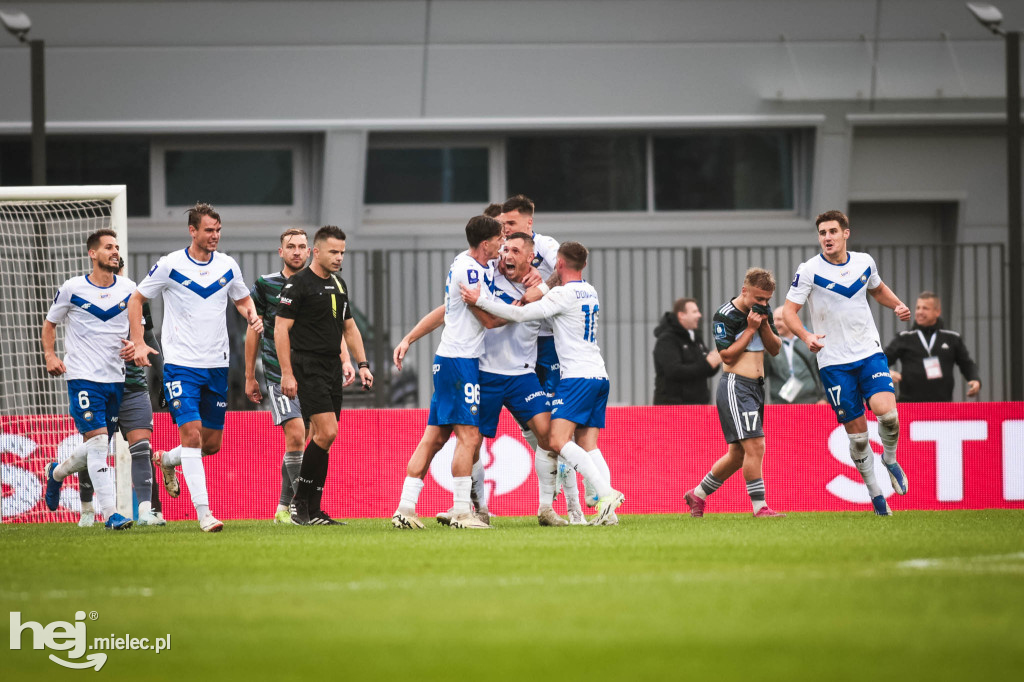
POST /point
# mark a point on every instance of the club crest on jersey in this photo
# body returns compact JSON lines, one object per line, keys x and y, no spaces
{"x":473,"y":276}
{"x":222,"y":281}
{"x":863,"y":278}
{"x":122,"y":305}
{"x":176,"y":404}
{"x":474,"y":409}
{"x":537,"y":260}
{"x":87,"y":416}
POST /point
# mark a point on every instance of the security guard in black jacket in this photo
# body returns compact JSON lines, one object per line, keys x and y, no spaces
{"x":927,"y":354}
{"x":682,"y":363}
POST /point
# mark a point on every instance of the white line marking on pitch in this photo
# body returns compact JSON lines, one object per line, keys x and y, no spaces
{"x":981,"y":562}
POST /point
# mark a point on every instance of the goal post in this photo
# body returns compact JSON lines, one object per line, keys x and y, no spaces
{"x":43,"y":231}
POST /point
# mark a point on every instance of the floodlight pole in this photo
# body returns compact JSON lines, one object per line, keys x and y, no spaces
{"x":37,"y":48}
{"x":1013,"y":175}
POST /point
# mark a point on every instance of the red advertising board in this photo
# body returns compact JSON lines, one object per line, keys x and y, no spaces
{"x":957,"y":456}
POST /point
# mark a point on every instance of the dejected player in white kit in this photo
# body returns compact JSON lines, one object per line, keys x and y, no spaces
{"x":579,"y":404}
{"x":834,"y":285}
{"x":455,"y":404}
{"x":196,"y":283}
{"x":94,"y":306}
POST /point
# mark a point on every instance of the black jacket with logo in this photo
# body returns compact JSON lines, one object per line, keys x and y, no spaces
{"x":949,"y":348}
{"x":680,"y":369}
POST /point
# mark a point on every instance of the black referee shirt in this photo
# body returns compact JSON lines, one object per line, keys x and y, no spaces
{"x":319,"y":307}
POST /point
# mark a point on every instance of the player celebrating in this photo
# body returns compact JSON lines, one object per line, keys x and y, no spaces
{"x":517,"y":216}
{"x":455,"y":405}
{"x":94,"y":306}
{"x":744,"y":331}
{"x":507,"y":375}
{"x":852,"y":365}
{"x":579,"y":404}
{"x":313,"y":317}
{"x":196,"y":283}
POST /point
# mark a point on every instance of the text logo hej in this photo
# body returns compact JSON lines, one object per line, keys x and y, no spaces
{"x":68,"y":637}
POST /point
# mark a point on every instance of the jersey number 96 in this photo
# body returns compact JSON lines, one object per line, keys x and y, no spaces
{"x":472,"y":392}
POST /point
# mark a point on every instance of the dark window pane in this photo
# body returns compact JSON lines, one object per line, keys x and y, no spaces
{"x":232,"y":177}
{"x":426,"y":176}
{"x":84,"y":161}
{"x":586,"y":173}
{"x":726,"y":171}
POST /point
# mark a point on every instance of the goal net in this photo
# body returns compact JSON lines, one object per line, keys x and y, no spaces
{"x":43,"y":231}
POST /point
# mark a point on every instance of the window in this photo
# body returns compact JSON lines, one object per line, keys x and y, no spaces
{"x":579,"y":173}
{"x":84,"y":161}
{"x":229,"y":177}
{"x":426,"y":175}
{"x":715,"y":170}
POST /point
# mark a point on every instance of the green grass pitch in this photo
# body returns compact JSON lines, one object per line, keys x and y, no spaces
{"x":845,"y":596}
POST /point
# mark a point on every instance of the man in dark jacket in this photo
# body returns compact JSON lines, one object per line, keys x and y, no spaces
{"x":682,"y":363}
{"x":927,"y":354}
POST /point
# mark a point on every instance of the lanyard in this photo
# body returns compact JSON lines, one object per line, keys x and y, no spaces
{"x":787,"y":346}
{"x":927,"y":346}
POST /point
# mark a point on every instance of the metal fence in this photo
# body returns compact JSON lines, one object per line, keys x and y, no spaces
{"x":392,"y":290}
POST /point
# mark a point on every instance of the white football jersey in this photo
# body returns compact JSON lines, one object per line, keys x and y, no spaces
{"x":463,"y":335}
{"x":573,"y":310}
{"x":545,"y":251}
{"x":194,"y":331}
{"x":97,"y":322}
{"x":836,"y":299}
{"x":510,"y":349}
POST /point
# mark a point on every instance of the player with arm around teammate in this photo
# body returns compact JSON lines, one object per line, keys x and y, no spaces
{"x":744,"y":331}
{"x":94,"y":307}
{"x":834,"y":285}
{"x":582,"y":394}
{"x":196,"y":283}
{"x":455,"y":404}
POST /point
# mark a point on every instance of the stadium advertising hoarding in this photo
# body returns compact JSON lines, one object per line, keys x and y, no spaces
{"x":957,"y":456}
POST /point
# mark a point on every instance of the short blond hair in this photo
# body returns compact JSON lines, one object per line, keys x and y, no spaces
{"x":760,"y":278}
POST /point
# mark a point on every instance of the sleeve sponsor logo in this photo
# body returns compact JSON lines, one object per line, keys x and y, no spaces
{"x":796,"y":280}
{"x":720,"y":330}
{"x":152,"y":269}
{"x":473,"y":276}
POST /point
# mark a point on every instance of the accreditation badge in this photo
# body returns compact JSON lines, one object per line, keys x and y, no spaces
{"x":932,"y":368}
{"x":791,"y":389}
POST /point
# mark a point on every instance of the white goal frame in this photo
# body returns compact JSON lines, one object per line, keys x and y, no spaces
{"x":118,"y":197}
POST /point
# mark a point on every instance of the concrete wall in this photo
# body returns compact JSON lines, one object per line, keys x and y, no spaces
{"x":871,"y":78}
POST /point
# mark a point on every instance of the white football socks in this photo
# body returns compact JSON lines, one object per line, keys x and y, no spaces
{"x":172,"y":458}
{"x":479,"y":487}
{"x":546,"y":467}
{"x":530,"y":438}
{"x":860,"y":453}
{"x":99,"y":472}
{"x":411,"y":489}
{"x":195,"y":478}
{"x":581,"y":462}
{"x":76,"y":462}
{"x":461,"y":494}
{"x":889,"y":434}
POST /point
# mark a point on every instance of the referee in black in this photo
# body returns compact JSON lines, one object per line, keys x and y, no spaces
{"x":313,"y":316}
